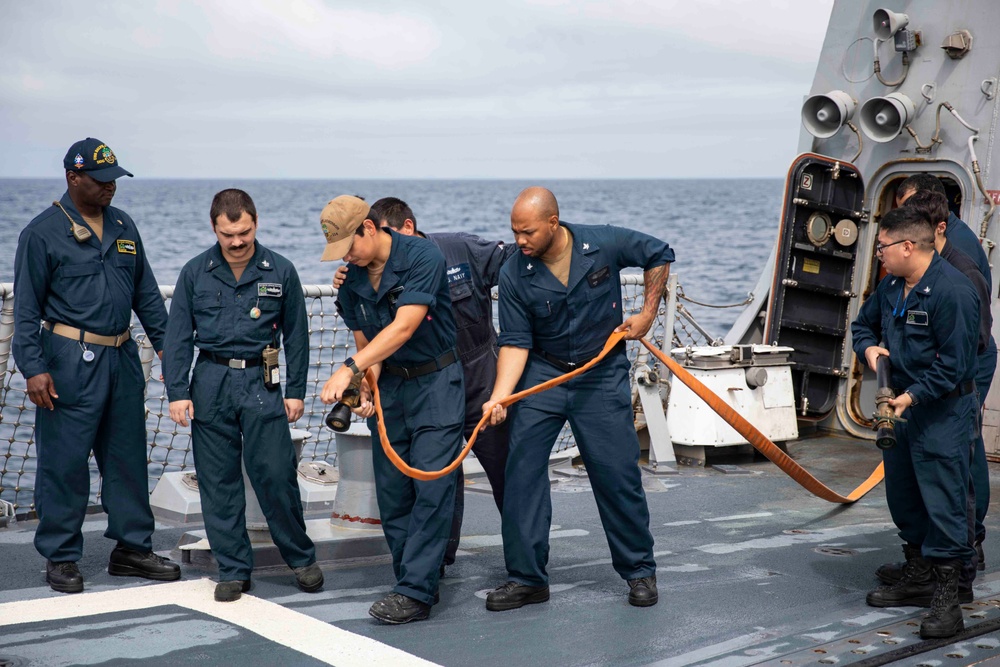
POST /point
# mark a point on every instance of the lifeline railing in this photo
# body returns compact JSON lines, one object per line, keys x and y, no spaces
{"x":330,"y":342}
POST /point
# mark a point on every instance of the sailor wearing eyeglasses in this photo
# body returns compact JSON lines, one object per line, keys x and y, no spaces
{"x":924,"y":316}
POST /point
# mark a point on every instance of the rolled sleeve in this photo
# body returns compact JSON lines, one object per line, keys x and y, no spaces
{"x":427,"y":272}
{"x":641,"y":250}
{"x":515,"y":320}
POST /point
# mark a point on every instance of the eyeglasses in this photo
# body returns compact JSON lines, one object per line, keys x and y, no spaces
{"x":880,"y":247}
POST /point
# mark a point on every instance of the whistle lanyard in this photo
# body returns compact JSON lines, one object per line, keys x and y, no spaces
{"x":901,"y":310}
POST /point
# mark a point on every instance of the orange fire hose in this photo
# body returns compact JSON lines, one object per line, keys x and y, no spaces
{"x":733,"y":418}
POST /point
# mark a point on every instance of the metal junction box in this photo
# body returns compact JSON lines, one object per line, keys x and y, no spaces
{"x":755,"y":380}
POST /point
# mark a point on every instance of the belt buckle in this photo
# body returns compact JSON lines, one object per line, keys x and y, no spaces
{"x":241,"y":364}
{"x":120,"y":338}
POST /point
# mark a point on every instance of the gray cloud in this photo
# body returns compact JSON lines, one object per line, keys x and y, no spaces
{"x":303,"y":88}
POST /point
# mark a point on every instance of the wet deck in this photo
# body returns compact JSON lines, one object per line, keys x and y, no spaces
{"x":750,"y":567}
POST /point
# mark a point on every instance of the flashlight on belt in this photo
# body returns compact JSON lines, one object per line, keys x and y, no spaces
{"x":339,"y":418}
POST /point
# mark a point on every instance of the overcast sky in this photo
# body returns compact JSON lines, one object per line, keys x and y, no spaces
{"x":417,"y":89}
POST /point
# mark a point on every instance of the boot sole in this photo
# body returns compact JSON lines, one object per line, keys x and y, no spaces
{"x":644,"y":603}
{"x":418,"y":616}
{"x":65,"y":588}
{"x":245,"y":589}
{"x":128,"y":571}
{"x":311,"y":589}
{"x":910,"y":602}
{"x":943,"y":634}
{"x":534,"y":598}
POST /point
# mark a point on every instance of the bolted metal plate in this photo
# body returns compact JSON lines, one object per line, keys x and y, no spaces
{"x":730,"y":469}
{"x":843,"y":644}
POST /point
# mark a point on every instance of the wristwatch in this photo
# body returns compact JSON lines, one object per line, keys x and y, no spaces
{"x":913,"y":399}
{"x":349,"y":362}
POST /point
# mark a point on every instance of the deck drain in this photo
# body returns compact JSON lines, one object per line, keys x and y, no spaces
{"x":835,"y":551}
{"x":11,"y":661}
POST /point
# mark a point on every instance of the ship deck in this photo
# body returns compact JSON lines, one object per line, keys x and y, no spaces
{"x":751,"y":569}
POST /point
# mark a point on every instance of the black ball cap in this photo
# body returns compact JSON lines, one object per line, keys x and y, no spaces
{"x":96,"y":158}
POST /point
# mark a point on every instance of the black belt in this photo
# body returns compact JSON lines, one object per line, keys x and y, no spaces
{"x":569,"y":366}
{"x":410,"y":372}
{"x":962,"y":389}
{"x":232,"y":363}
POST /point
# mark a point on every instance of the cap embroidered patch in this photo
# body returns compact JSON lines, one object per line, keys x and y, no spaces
{"x":78,"y":161}
{"x":103,"y":155}
{"x":125,"y":246}
{"x":268,"y":289}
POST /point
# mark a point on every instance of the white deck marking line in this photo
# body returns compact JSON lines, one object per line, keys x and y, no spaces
{"x":296,"y":631}
{"x":737,"y":517}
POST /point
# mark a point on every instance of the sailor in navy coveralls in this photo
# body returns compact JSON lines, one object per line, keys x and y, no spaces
{"x":961,"y":238}
{"x":473,"y":269}
{"x":924,"y":316}
{"x":232,"y":301}
{"x":79,"y":272}
{"x":396,"y":301}
{"x":559,"y":301}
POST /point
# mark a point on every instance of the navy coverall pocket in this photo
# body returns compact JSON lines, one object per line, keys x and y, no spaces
{"x":63,"y":357}
{"x":466,"y":306}
{"x":85,"y":282}
{"x":208,"y":312}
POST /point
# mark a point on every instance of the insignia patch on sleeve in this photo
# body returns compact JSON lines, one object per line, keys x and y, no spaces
{"x":269,"y":289}
{"x":126,"y":246}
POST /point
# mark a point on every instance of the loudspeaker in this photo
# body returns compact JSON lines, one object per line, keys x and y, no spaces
{"x":888,"y":23}
{"x":883,"y":118}
{"x":824,"y":115}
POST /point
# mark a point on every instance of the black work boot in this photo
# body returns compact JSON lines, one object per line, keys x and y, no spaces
{"x":981,"y":565}
{"x":63,"y":577}
{"x":309,"y":577}
{"x":890,"y":573}
{"x":513,"y":595}
{"x":231,"y":591}
{"x":945,"y":619}
{"x":397,"y":609}
{"x":642,"y":592}
{"x":915,"y":589}
{"x":125,"y":562}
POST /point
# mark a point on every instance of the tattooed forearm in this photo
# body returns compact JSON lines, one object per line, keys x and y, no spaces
{"x":655,"y":280}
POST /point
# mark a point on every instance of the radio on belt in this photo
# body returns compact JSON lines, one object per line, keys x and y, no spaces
{"x":272,"y":372}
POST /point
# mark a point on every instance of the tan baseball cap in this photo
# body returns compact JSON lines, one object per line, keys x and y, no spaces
{"x":339,"y":220}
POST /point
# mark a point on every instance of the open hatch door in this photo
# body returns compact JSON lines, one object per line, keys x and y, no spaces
{"x":813,"y":276}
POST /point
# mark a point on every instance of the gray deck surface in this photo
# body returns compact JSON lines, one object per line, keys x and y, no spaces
{"x":751,"y":568}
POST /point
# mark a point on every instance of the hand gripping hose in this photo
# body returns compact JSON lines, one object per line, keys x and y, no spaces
{"x":742,"y":426}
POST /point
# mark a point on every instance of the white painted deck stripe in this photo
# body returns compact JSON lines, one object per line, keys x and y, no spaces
{"x":289,"y":628}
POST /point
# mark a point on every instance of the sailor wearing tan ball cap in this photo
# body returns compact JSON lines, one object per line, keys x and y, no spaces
{"x":396,"y":301}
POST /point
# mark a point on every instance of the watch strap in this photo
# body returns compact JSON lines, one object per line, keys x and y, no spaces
{"x":349,"y":362}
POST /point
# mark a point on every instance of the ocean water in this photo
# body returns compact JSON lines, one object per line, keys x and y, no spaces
{"x":721,"y":230}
